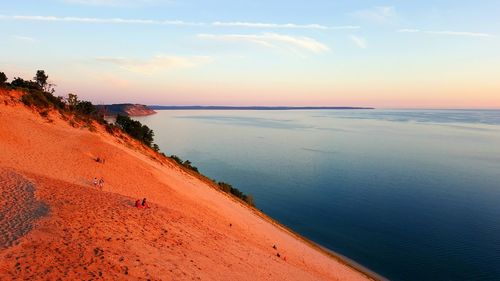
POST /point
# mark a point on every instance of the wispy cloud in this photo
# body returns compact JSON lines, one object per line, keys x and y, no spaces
{"x":461,"y":33}
{"x":272,"y":40}
{"x":157,"y":63}
{"x":98,"y":20}
{"x":281,"y":25}
{"x":115,"y":3}
{"x":377,"y":14}
{"x":359,"y":41}
{"x":449,"y":33}
{"x":268,"y":25}
{"x":257,"y":25}
{"x":24,"y":38}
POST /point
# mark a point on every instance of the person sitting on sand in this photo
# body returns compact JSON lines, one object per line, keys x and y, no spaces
{"x":138,"y":204}
{"x":144,"y":204}
{"x":101,"y":183}
{"x":95,"y":182}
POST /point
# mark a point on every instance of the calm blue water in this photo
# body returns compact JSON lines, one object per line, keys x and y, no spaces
{"x":410,"y":194}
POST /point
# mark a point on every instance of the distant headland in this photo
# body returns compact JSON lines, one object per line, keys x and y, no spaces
{"x":216,"y":107}
{"x":127,"y":109}
{"x":130,"y":109}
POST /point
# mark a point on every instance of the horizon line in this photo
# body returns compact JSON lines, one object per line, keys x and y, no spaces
{"x":253,"y":107}
{"x":306,"y":107}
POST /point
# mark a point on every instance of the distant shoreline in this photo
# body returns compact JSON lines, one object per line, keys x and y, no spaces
{"x":200,"y":107}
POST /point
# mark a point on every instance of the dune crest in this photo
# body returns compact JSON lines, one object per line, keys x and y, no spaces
{"x":192,"y":231}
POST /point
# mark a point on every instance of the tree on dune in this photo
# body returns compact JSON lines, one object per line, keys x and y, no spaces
{"x":86,"y":108}
{"x":3,"y":78}
{"x":72,"y":101}
{"x":41,"y":78}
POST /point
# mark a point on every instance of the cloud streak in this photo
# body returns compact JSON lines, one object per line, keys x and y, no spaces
{"x":116,"y":3}
{"x":282,"y":26}
{"x":99,"y":20}
{"x":256,"y":25}
{"x":449,"y":33}
{"x":271,"y":40}
{"x":156,"y":64}
{"x":461,"y":33}
{"x":269,"y":25}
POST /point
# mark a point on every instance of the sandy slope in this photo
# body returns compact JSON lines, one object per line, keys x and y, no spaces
{"x":87,"y":233}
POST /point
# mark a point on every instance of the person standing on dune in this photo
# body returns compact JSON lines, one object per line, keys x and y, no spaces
{"x":144,"y":204}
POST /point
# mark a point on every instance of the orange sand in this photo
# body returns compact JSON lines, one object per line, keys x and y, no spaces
{"x":63,"y":227}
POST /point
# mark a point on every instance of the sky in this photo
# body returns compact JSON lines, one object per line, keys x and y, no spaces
{"x":385,"y":54}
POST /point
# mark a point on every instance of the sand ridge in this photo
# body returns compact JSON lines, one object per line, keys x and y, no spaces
{"x":192,"y":231}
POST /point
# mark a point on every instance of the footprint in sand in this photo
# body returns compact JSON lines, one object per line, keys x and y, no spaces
{"x":19,"y":208}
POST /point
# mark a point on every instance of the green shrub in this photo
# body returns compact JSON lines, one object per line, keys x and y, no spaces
{"x":226,"y":187}
{"x":85,"y":108}
{"x":135,"y":129}
{"x":110,"y":128}
{"x":249,"y":200}
{"x":41,"y":99}
{"x":176,"y":159}
{"x":35,"y":99}
{"x":91,"y":127}
{"x":26,"y":84}
{"x":189,"y":165}
{"x":186,"y":163}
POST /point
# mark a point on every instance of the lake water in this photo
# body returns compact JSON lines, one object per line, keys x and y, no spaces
{"x":410,"y":194}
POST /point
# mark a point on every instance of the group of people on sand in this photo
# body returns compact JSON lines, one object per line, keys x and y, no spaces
{"x":277,"y":253}
{"x":100,"y":160}
{"x":99,"y":183}
{"x":141,"y":205}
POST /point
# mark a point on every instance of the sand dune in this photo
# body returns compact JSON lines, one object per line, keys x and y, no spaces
{"x":58,"y":225}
